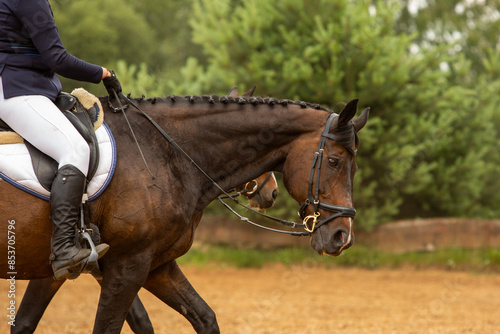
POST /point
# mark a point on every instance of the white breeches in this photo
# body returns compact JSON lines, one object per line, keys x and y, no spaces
{"x":37,"y":119}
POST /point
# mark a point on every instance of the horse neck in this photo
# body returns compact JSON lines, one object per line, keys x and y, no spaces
{"x":231,"y":142}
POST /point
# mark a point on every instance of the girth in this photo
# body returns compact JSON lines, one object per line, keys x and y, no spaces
{"x":82,"y":119}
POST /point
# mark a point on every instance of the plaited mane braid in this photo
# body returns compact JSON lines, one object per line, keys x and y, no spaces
{"x":346,"y":135}
{"x":213,"y":99}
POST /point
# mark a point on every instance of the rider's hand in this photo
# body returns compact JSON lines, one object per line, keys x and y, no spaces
{"x":111,"y":82}
{"x":113,"y":86}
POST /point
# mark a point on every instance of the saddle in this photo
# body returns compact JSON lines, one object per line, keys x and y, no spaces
{"x":83,"y":110}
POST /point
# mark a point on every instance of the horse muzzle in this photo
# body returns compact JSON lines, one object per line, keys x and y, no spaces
{"x":333,"y":239}
{"x":263,"y":201}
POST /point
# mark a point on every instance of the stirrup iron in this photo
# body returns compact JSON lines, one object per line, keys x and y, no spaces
{"x":91,"y":261}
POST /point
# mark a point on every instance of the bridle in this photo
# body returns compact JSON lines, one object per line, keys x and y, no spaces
{"x":313,"y":198}
{"x":254,"y":186}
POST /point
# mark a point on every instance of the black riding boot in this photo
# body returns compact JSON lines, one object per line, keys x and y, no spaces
{"x":65,"y":201}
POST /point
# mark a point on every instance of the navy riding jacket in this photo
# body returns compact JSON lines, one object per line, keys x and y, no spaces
{"x":31,"y":51}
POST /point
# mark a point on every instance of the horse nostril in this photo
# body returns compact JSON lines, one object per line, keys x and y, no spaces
{"x":275,"y":194}
{"x":341,"y":237}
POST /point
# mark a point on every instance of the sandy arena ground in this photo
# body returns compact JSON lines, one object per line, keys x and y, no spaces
{"x":302,"y":299}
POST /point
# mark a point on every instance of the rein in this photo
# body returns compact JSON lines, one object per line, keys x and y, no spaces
{"x":341,"y":210}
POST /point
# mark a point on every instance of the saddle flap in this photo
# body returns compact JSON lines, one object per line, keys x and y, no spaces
{"x":44,"y":166}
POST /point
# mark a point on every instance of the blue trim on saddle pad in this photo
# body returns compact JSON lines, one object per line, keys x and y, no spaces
{"x":93,"y":196}
{"x":113,"y":164}
{"x":20,"y":186}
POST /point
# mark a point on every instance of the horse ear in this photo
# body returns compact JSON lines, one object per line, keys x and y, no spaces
{"x":250,"y":92}
{"x":348,"y":112}
{"x":360,"y":121}
{"x":233,"y":92}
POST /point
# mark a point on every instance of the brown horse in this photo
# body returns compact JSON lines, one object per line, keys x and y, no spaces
{"x":150,"y":222}
{"x":261,"y":192}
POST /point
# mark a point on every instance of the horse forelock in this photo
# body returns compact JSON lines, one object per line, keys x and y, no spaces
{"x":345,"y":135}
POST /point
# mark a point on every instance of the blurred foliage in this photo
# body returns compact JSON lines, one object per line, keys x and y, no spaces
{"x":430,"y":71}
{"x":150,"y":36}
{"x":469,"y":28}
{"x":101,"y":31}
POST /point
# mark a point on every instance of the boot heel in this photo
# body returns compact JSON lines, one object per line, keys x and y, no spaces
{"x":70,"y":272}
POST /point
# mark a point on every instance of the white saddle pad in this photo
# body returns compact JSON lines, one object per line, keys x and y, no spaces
{"x":16,"y":167}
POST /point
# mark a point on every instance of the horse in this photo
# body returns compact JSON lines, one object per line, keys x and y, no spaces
{"x":261,"y":193}
{"x":149,"y":222}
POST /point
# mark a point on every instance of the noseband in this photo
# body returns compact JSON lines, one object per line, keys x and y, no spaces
{"x":313,"y":196}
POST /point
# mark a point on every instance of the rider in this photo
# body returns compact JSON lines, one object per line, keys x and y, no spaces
{"x":31,"y":53}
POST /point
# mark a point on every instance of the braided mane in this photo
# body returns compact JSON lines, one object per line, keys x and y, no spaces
{"x":345,"y":135}
{"x":214,"y":99}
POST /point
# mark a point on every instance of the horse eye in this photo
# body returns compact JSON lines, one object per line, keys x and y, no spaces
{"x":333,"y":162}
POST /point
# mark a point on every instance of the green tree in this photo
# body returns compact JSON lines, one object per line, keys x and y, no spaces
{"x":169,"y":21}
{"x":469,"y":30}
{"x":136,"y":80}
{"x":153,"y":35}
{"x":104,"y":31}
{"x":467,"y":27}
{"x":427,"y":149}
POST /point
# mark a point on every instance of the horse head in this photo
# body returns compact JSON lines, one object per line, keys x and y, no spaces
{"x":326,"y":189}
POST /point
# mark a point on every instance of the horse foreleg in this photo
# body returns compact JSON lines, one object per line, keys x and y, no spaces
{"x":39,"y":294}
{"x":138,"y":318}
{"x":169,"y":284}
{"x":122,"y":280}
{"x":36,"y":298}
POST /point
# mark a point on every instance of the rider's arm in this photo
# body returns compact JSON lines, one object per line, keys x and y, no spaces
{"x":36,"y":17}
